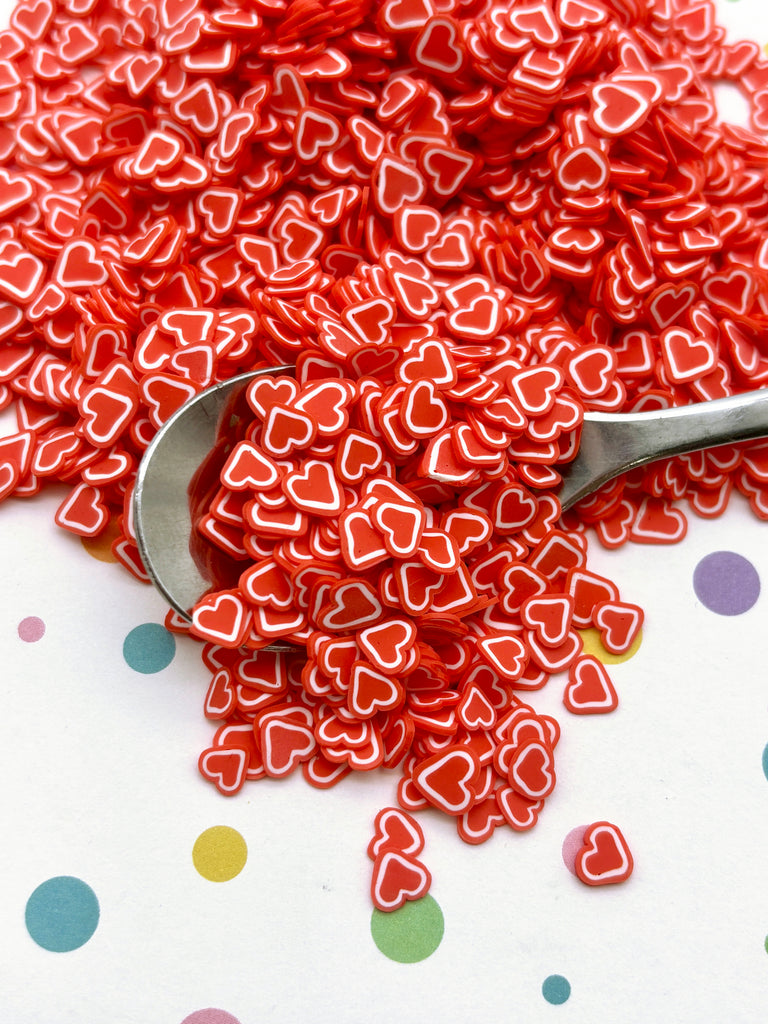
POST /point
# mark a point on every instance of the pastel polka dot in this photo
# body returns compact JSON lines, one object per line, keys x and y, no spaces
{"x":592,"y":644}
{"x":31,"y":629}
{"x":210,"y":1016}
{"x":219,"y":853}
{"x":149,"y":648}
{"x":411,"y":933}
{"x":62,"y":914}
{"x":571,"y":846}
{"x":726,"y":583}
{"x":556,"y":989}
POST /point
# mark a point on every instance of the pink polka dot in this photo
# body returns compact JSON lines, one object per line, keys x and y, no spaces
{"x":210,"y":1016}
{"x":31,"y":629}
{"x":571,"y":846}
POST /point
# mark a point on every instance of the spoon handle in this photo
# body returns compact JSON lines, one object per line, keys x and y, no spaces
{"x":612,"y":443}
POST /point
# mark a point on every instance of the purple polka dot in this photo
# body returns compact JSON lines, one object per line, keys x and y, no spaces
{"x":31,"y":629}
{"x":726,"y":583}
{"x":210,"y":1016}
{"x":572,"y":843}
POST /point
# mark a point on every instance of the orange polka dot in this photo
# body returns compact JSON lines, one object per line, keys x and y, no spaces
{"x":100,"y":547}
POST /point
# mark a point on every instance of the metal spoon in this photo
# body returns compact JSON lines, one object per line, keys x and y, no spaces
{"x":179,"y":470}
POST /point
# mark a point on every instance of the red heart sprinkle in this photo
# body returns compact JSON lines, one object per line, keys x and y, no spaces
{"x":604,"y":857}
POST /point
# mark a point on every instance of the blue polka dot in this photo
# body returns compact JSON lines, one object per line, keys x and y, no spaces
{"x":149,"y":648}
{"x":62,"y":914}
{"x":556,"y":989}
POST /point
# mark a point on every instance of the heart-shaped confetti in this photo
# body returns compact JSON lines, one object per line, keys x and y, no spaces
{"x":604,"y":857}
{"x":397,"y":877}
{"x":448,"y":779}
{"x":396,"y":830}
{"x":589,"y":690}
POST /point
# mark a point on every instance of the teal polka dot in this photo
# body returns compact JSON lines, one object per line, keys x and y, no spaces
{"x":765,"y":761}
{"x":149,"y":648}
{"x":62,"y":914}
{"x":556,"y":989}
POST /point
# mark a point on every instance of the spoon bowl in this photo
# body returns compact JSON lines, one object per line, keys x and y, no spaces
{"x":179,"y":472}
{"x":176,"y":477}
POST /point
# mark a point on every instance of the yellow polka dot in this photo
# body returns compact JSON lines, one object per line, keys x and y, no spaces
{"x":593,"y":645}
{"x":100,"y":547}
{"x":219,"y":853}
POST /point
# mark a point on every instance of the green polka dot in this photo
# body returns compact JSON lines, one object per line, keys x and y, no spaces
{"x":411,"y":933}
{"x":62,"y":914}
{"x":149,"y":648}
{"x":556,"y":989}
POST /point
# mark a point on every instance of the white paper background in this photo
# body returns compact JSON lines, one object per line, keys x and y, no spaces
{"x":99,"y":774}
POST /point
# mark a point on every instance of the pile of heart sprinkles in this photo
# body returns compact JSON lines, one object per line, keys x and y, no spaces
{"x":464,"y":223}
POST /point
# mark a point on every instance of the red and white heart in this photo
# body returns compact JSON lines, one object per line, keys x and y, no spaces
{"x":536,"y":21}
{"x":604,"y":857}
{"x":535,"y":388}
{"x":249,"y":468}
{"x":84,"y":511}
{"x":417,"y":227}
{"x":313,"y":488}
{"x":519,"y":811}
{"x":267,"y":583}
{"x":370,"y":319}
{"x":591,"y":370}
{"x":658,"y":522}
{"x":588,"y":589}
{"x":583,"y":168}
{"x":396,"y":184}
{"x":514,"y":508}
{"x":351,"y":605}
{"x":619,"y":624}
{"x":468,"y":527}
{"x":371,"y":691}
{"x":397,"y":877}
{"x":448,"y":779}
{"x":325,"y":403}
{"x":589,"y":690}
{"x":396,"y":830}
{"x":686,"y":357}
{"x":163,"y":394}
{"x":475,"y":710}
{"x":549,"y":616}
{"x":221,"y":696}
{"x":478,"y":824}
{"x":286,"y":738}
{"x":264,"y":392}
{"x":401,"y":526}
{"x":416,"y":585}
{"x":315,"y":132}
{"x":225,"y":767}
{"x":361,"y":543}
{"x":532,"y":770}
{"x":286,"y":430}
{"x":357,"y":456}
{"x":505,"y":653}
{"x":388,"y":644}
{"x":222,"y":618}
{"x":622,"y":104}
{"x":423,"y":412}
